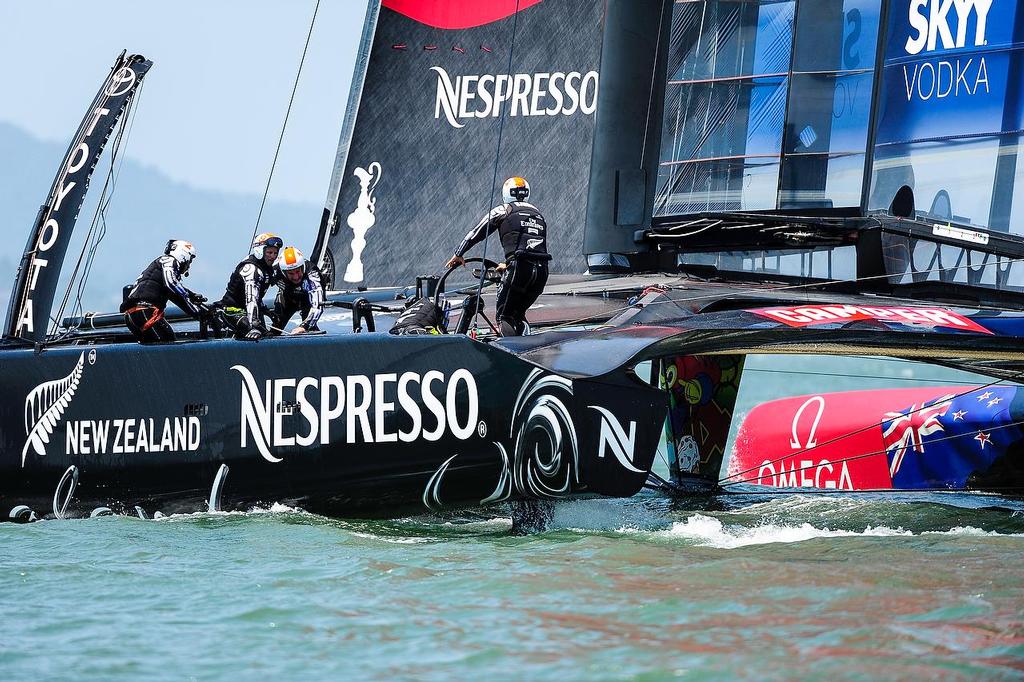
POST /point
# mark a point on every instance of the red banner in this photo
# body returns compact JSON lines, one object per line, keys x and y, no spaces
{"x":809,"y":315}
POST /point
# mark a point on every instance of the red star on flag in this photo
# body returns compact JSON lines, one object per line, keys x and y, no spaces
{"x":983,"y":438}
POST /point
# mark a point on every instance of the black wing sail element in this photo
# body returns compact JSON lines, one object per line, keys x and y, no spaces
{"x":437,"y":86}
{"x":29,"y":312}
{"x":45,"y":406}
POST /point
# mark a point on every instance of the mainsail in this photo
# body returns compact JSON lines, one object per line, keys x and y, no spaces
{"x":443,"y":81}
{"x":29,"y":312}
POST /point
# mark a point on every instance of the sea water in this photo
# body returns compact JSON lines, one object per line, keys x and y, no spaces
{"x":806,"y":587}
{"x":753,"y":585}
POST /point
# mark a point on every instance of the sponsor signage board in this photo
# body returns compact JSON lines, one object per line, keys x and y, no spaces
{"x":949,"y":70}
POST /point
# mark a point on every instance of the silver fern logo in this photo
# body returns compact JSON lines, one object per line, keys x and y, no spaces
{"x":45,"y":406}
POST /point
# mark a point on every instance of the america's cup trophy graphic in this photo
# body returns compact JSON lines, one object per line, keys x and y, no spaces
{"x":362,"y":219}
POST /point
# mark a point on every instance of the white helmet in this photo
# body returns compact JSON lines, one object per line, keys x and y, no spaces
{"x":291,"y":259}
{"x":181,"y":251}
{"x":515,"y":189}
{"x":263,"y":240}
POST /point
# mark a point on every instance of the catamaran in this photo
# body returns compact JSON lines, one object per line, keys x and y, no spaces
{"x":637,"y":349}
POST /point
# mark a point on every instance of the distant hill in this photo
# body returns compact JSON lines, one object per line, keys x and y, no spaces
{"x":147,"y":209}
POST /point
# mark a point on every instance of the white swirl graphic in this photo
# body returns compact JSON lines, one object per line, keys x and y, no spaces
{"x":545,"y":459}
{"x":432,"y":493}
{"x":546,"y":456}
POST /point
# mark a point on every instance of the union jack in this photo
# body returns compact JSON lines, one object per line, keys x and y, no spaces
{"x":903,"y":430}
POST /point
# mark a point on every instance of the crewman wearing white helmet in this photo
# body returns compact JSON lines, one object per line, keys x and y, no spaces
{"x":243,"y":298}
{"x":160,"y":282}
{"x":300,"y":289}
{"x":523,"y":234}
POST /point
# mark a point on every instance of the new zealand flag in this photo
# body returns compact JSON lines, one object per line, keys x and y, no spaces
{"x":941,"y":442}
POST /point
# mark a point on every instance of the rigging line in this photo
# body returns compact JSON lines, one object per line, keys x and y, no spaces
{"x":284,"y":125}
{"x":133,"y":108}
{"x":868,"y":427}
{"x":956,"y":382}
{"x":494,"y":177}
{"x":875,"y":453}
{"x":771,"y":290}
{"x":117,"y":159}
{"x":92,"y":226}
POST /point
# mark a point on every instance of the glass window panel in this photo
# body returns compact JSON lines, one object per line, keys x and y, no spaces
{"x":729,"y":38}
{"x":829,"y":113}
{"x":724,"y":119}
{"x":967,"y":181}
{"x":822,"y":181}
{"x":726,"y":185}
{"x":836,"y":35}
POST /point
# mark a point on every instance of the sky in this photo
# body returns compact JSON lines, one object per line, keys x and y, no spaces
{"x":213,"y":104}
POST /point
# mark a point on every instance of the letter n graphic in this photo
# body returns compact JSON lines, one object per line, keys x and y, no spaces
{"x":614,"y":436}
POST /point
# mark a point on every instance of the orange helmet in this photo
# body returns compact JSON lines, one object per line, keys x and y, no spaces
{"x":515,"y":189}
{"x":291,"y":259}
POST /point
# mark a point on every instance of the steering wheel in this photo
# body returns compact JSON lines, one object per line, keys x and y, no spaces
{"x":486,"y":262}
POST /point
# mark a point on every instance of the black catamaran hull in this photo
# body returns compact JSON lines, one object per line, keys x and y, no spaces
{"x":358,"y":425}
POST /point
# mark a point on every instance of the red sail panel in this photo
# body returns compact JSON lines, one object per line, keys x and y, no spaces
{"x":457,"y":14}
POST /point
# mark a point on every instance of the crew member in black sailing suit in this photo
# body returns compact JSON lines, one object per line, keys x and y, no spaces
{"x":523,"y":234}
{"x":299,"y":290}
{"x":243,"y":299}
{"x":144,"y":305}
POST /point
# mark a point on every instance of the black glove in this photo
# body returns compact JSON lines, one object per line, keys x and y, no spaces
{"x":197,"y":298}
{"x":254,"y":335}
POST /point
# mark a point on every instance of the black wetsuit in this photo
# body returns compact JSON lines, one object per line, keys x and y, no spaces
{"x":243,"y":298}
{"x":306,"y":297}
{"x":523,"y":234}
{"x":144,"y":307}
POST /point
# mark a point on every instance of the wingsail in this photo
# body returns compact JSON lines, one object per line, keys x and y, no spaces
{"x":454,"y":95}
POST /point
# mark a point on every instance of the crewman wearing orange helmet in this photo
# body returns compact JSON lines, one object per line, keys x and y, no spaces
{"x":300,"y":289}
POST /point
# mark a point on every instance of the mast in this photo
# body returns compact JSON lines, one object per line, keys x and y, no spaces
{"x":28,"y":314}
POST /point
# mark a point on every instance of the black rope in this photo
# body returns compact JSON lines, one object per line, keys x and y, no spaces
{"x":494,"y":177}
{"x":284,"y":125}
{"x":105,"y":202}
{"x":98,"y":225}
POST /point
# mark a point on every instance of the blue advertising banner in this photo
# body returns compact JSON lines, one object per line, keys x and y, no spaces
{"x":951,"y":70}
